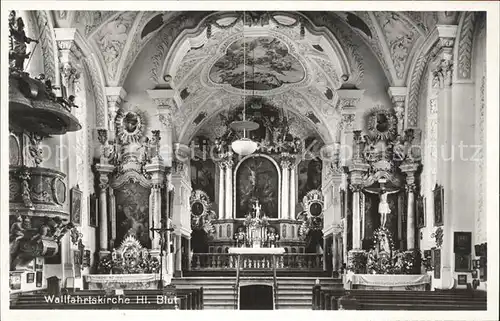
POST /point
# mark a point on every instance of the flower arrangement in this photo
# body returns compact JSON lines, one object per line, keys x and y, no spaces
{"x":312,"y":223}
{"x":136,"y":265}
{"x":105,"y":265}
{"x":384,"y":259}
{"x":357,"y":261}
{"x":256,"y":222}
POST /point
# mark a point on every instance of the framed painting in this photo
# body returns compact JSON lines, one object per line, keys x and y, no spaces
{"x":30,"y":277}
{"x":93,"y":210}
{"x":420,"y":211}
{"x":438,"y":205}
{"x":462,"y":262}
{"x":462,"y":242}
{"x":437,"y":263}
{"x":76,"y":205}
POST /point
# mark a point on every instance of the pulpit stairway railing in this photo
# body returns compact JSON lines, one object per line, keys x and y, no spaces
{"x":227,"y":261}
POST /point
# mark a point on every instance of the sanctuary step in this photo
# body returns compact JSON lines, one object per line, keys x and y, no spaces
{"x":220,"y":293}
{"x":189,"y":298}
{"x":326,"y":299}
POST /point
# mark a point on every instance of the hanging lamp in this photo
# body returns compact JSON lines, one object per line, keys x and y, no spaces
{"x":244,"y":146}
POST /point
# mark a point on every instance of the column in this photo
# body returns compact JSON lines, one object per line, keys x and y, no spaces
{"x":285,"y":185}
{"x":228,"y":164}
{"x":356,"y":232}
{"x":157,"y":171}
{"x":442,"y":71}
{"x":344,"y":239}
{"x":189,"y":252}
{"x":112,"y":213}
{"x":357,"y":170}
{"x":103,"y":171}
{"x":114,"y":98}
{"x":178,"y":255}
{"x":334,"y":253}
{"x":293,"y":190}
{"x":222,"y":192}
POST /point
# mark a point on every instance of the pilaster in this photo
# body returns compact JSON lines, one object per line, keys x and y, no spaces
{"x":114,"y":99}
{"x":398,"y":98}
{"x":442,"y":74}
{"x":166,"y":102}
{"x":70,"y":55}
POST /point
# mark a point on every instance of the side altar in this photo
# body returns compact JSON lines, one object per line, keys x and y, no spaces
{"x":383,"y":253}
{"x":131,"y":266}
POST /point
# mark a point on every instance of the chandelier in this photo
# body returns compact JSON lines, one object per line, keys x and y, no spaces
{"x":244,"y":146}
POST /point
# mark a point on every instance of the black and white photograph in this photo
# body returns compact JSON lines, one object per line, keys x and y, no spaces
{"x":188,"y":156}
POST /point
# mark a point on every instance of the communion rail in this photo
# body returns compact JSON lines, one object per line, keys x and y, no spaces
{"x":227,"y":261}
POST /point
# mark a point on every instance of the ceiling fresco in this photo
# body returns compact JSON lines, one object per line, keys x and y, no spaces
{"x":260,"y":63}
{"x":288,"y":58}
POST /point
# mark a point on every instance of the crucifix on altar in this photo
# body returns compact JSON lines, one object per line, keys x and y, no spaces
{"x":383,"y":207}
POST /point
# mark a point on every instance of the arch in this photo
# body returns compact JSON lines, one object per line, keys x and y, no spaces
{"x":464,"y":47}
{"x":278,"y":171}
{"x":186,"y":134}
{"x":414,"y":80}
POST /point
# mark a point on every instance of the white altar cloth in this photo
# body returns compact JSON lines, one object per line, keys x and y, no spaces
{"x":389,"y":281}
{"x":124,"y":281}
{"x":256,"y":250}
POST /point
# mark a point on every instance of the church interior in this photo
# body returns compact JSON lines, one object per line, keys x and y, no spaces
{"x":247,"y":160}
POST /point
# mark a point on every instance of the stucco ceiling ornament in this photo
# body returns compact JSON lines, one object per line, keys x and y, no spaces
{"x":130,"y":126}
{"x":344,"y":35}
{"x":136,"y":45}
{"x":111,"y":40}
{"x":90,"y":21}
{"x":400,"y":37}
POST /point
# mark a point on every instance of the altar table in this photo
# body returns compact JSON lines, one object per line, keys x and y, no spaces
{"x":124,"y":281}
{"x":390,"y":282}
{"x":242,"y":251}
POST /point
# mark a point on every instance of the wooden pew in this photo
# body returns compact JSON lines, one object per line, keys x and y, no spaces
{"x":190,"y":299}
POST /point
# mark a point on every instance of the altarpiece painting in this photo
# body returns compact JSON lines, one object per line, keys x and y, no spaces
{"x":257,"y":179}
{"x":132,"y":213}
